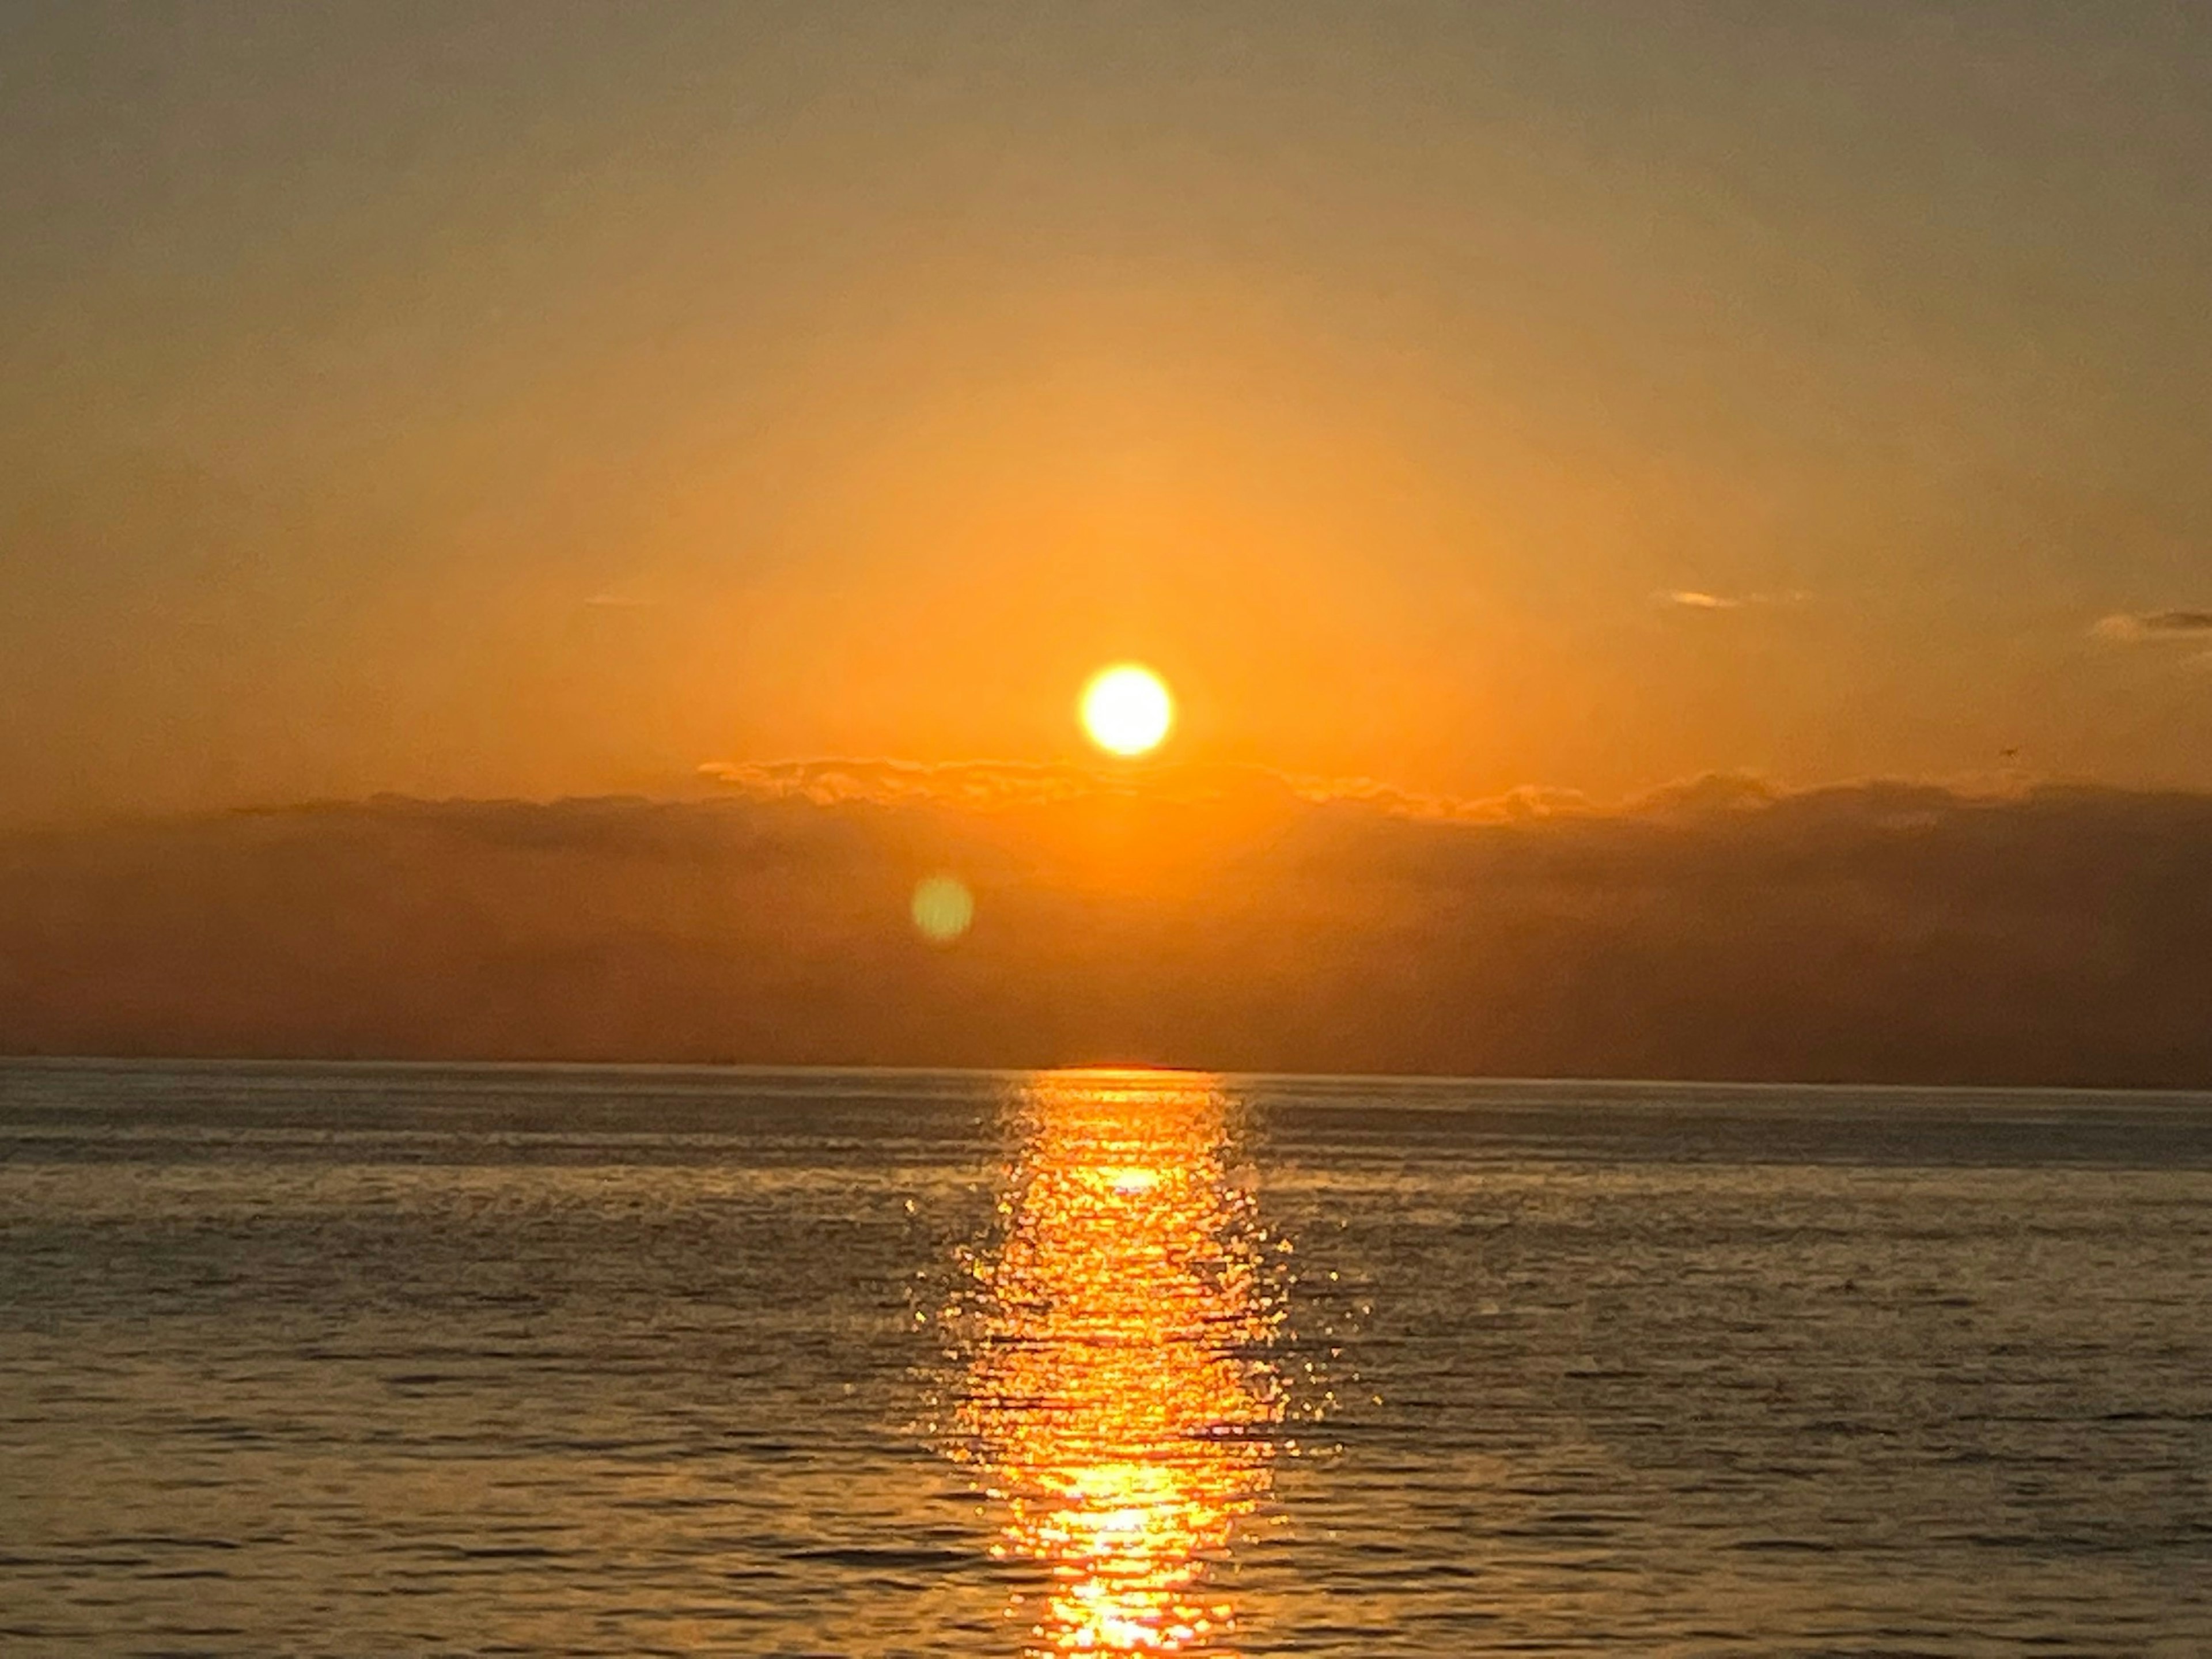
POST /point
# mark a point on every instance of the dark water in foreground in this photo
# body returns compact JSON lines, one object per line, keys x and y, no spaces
{"x":390,"y":1359}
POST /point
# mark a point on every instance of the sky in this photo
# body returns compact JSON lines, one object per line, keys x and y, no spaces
{"x":550,"y":400}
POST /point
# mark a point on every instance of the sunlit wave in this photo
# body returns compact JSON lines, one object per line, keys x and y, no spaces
{"x":1118,"y":1398}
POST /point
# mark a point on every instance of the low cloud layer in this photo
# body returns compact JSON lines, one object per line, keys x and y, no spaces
{"x":1227,"y":919}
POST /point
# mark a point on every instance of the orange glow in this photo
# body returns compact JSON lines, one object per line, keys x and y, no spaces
{"x":1118,"y":1400}
{"x":1127,"y":709}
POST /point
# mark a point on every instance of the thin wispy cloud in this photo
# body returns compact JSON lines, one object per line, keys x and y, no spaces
{"x":2130,"y":626}
{"x":621,"y":599}
{"x":1698,"y":598}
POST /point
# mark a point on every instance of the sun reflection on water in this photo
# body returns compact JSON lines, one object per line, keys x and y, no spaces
{"x":1118,"y":1400}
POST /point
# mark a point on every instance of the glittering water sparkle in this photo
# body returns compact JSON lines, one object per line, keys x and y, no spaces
{"x":1120,"y":1396}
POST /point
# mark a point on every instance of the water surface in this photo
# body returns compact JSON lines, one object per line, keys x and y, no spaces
{"x":395,"y":1358}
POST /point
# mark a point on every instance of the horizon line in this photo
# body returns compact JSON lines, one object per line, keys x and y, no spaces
{"x":1124,"y":1068}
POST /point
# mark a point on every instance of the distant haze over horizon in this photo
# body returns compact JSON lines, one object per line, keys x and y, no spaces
{"x":549,"y":399}
{"x":1218,"y":918}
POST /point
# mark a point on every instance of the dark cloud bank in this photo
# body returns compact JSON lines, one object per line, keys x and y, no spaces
{"x":1877,"y":932}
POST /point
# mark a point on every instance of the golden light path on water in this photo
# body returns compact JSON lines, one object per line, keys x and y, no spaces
{"x":1118,"y":1400}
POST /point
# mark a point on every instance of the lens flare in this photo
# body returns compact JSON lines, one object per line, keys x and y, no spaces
{"x":943,"y":907}
{"x":1127,"y":709}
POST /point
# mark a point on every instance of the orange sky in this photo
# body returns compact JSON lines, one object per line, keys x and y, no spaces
{"x":545,"y":400}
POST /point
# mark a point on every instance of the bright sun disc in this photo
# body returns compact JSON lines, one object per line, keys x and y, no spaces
{"x":1127,"y":709}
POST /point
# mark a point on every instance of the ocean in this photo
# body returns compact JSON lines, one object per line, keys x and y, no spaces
{"x":380,"y":1360}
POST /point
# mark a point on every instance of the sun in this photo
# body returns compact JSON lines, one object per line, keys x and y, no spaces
{"x":1127,"y":709}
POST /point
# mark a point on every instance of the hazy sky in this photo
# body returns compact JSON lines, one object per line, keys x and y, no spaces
{"x":542,"y":398}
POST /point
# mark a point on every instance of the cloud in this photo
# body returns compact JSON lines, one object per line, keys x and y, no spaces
{"x":1724,"y":929}
{"x":832,"y":781}
{"x":1003,"y":785}
{"x":2129,"y":626}
{"x":621,"y":599}
{"x":1692,"y":598}
{"x":1713,"y":792}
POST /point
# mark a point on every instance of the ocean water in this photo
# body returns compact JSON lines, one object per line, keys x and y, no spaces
{"x":388,"y":1359}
